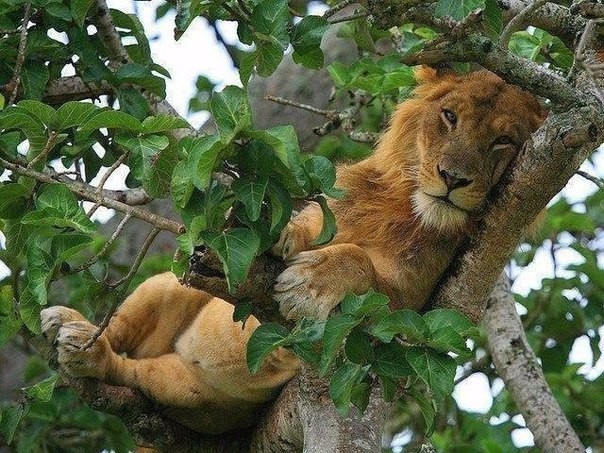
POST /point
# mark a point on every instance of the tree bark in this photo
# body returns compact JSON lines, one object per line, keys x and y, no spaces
{"x":519,"y":368}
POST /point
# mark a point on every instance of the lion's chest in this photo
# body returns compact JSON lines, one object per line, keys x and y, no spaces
{"x":410,"y":278}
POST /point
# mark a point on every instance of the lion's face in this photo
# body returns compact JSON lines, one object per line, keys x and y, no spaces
{"x":470,"y":129}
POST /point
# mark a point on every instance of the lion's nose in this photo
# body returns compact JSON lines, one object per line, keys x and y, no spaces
{"x":452,"y":180}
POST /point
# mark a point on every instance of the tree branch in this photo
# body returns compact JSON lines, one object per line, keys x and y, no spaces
{"x":12,"y":87}
{"x":513,"y":69}
{"x":72,"y":88}
{"x":555,"y":19}
{"x":519,"y":368}
{"x":83,"y":191}
{"x":518,"y":21}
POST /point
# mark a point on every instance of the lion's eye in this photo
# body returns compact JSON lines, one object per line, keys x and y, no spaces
{"x":449,"y":117}
{"x":503,"y":140}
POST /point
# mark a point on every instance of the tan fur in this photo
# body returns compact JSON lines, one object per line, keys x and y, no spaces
{"x":179,"y":345}
{"x":183,"y":351}
{"x":402,"y":237}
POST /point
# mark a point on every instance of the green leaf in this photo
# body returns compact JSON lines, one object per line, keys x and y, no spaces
{"x":336,"y":329}
{"x":363,"y":305}
{"x":182,"y":186}
{"x":250,"y":191}
{"x":9,"y":326}
{"x":13,"y":200}
{"x":446,"y":339}
{"x":311,"y":60}
{"x":322,"y":173}
{"x":41,"y":111}
{"x":284,"y":142}
{"x":162,"y":123}
{"x":74,"y":113}
{"x":132,"y":102}
{"x":29,"y":309}
{"x":306,"y":39}
{"x":343,"y":383}
{"x":358,"y":347}
{"x":142,"y":76}
{"x":203,"y":155}
{"x":428,"y":407}
{"x":281,"y":205}
{"x":236,"y":249}
{"x":43,"y":390}
{"x":11,"y":416}
{"x":457,"y":9}
{"x":269,"y":19}
{"x":66,"y":245}
{"x":437,"y":370}
{"x":493,"y":19}
{"x":436,"y":319}
{"x":390,"y":360}
{"x":111,"y":119}
{"x":265,"y":339}
{"x":329,"y":229}
{"x":401,"y":322}
{"x":232,"y":112}
{"x":34,"y":77}
{"x":242,"y":311}
{"x":79,"y":8}
{"x":61,"y":208}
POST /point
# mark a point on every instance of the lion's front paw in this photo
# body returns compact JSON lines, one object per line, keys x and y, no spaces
{"x":53,"y":318}
{"x":307,"y":287}
{"x":292,"y":241}
{"x":77,"y":360}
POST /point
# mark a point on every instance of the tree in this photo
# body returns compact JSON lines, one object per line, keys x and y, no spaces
{"x":235,"y":189}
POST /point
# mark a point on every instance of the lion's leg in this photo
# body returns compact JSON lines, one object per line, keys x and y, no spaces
{"x":317,"y":280}
{"x":153,"y":316}
{"x":299,"y":233}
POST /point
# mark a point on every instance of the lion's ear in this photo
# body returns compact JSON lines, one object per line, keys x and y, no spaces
{"x":429,"y":74}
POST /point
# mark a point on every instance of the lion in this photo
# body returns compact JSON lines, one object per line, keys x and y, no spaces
{"x":405,"y":211}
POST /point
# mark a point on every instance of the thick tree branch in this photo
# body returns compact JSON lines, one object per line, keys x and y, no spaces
{"x":304,"y":418}
{"x":517,"y":365}
{"x":531,"y":76}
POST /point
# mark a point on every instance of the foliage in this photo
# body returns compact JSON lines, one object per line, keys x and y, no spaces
{"x":51,"y":239}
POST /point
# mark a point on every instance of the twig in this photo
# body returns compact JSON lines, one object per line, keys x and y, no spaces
{"x":84,"y":192}
{"x":126,"y":279}
{"x":597,"y":181}
{"x":110,"y":171}
{"x":346,"y":119}
{"x":12,"y":31}
{"x":518,"y":21}
{"x":593,"y":70}
{"x":45,"y":151}
{"x":13,"y":85}
{"x":103,"y":250}
{"x":240,"y":16}
{"x":309,"y":108}
{"x":331,"y":11}
{"x":108,"y":34}
{"x":354,"y":16}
